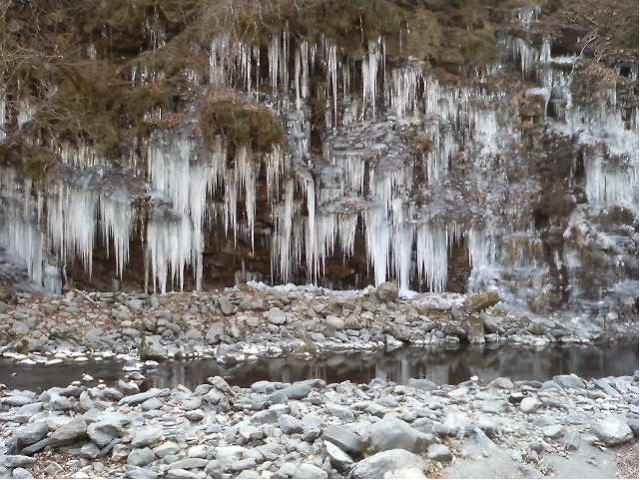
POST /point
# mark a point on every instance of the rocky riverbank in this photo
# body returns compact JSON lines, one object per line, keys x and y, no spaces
{"x":253,"y":320}
{"x":309,"y":429}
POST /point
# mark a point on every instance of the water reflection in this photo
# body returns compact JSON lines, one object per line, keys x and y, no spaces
{"x":440,"y":366}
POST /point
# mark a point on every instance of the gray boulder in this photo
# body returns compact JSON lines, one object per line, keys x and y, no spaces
{"x":215,"y":333}
{"x":345,"y":439}
{"x":151,"y":348}
{"x":389,"y":464}
{"x":612,"y":430}
{"x":307,"y":470}
{"x":109,"y":427}
{"x":30,"y":434}
{"x":141,"y":457}
{"x":147,"y":436}
{"x":276,"y":316}
{"x":392,"y":433}
{"x":69,"y":433}
{"x":387,"y":292}
{"x":439,"y":452}
{"x":338,"y":458}
{"x":569,"y":381}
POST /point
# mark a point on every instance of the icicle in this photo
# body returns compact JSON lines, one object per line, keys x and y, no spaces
{"x":117,"y":222}
{"x":370,"y":64}
{"x":432,"y":256}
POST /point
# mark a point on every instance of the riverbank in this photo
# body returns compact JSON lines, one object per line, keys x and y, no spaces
{"x":311,"y":429}
{"x":253,"y":320}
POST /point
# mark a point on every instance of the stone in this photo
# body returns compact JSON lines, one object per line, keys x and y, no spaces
{"x":215,"y":333}
{"x":30,"y":434}
{"x":151,"y":348}
{"x":343,"y":413}
{"x":186,"y":474}
{"x":612,"y":430}
{"x":15,"y":461}
{"x":167,"y":448}
{"x":137,"y":398}
{"x":198,"y":451}
{"x":188,"y":463}
{"x":388,"y":464}
{"x":249,"y":474}
{"x":421,"y":384}
{"x":141,"y":457}
{"x":569,"y":381}
{"x":146,"y":437}
{"x":276,"y":316}
{"x":21,"y":473}
{"x":263,"y":417}
{"x":393,"y":433}
{"x":530,"y":404}
{"x":289,"y":425}
{"x":152,"y":404}
{"x":36,"y":447}
{"x":387,"y":292}
{"x":344,"y":439}
{"x":244,"y":464}
{"x":338,"y":458}
{"x":308,"y":470}
{"x":553,"y":431}
{"x":481,"y":301}
{"x":70,"y":432}
{"x":226,"y":307}
{"x":334,"y":322}
{"x":137,"y":472}
{"x":230,"y":454}
{"x":58,"y":402}
{"x":89,"y":450}
{"x":439,"y":452}
{"x":109,"y":427}
{"x":501,"y":382}
{"x":214,"y":469}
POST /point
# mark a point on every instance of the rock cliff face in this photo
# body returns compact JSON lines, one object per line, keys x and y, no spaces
{"x":458,"y":146}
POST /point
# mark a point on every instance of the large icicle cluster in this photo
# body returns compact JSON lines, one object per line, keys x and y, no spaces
{"x":365,"y":190}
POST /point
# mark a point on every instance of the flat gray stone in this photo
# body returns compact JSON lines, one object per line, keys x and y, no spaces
{"x":137,"y":398}
{"x":612,"y":430}
{"x":389,"y":464}
{"x":344,"y":439}
{"x":141,"y":457}
{"x":69,"y":433}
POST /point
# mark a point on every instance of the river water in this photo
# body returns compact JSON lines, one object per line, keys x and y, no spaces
{"x":441,"y":366}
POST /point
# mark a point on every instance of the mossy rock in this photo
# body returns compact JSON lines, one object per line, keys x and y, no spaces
{"x":240,"y":122}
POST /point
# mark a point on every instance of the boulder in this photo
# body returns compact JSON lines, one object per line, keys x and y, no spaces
{"x":393,"y":433}
{"x":612,"y":430}
{"x":308,"y":470}
{"x":530,"y":404}
{"x":141,"y":457}
{"x":569,"y":381}
{"x":30,"y":434}
{"x":344,"y":439}
{"x":68,"y":433}
{"x":215,"y":333}
{"x":387,"y":292}
{"x":439,"y":452}
{"x":388,"y":464}
{"x":338,"y":458}
{"x":109,"y":427}
{"x":481,"y":301}
{"x":151,"y":348}
{"x":276,"y":316}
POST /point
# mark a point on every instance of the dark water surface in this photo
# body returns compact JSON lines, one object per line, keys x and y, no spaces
{"x":440,"y":366}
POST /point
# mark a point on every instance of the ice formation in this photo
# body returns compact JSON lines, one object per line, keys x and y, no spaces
{"x":360,"y":193}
